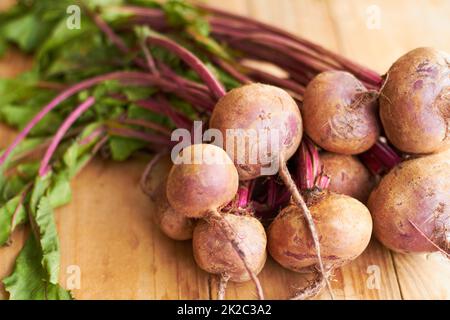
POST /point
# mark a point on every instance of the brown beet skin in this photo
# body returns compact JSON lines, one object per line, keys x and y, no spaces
{"x":196,"y":189}
{"x":339,"y":114}
{"x":259,"y":107}
{"x":415,"y":102}
{"x":348,"y":175}
{"x":214,"y":253}
{"x":172,"y":223}
{"x":344,"y":226}
{"x":417,"y":190}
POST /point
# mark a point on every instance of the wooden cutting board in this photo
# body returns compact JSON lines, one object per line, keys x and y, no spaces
{"x":107,"y":233}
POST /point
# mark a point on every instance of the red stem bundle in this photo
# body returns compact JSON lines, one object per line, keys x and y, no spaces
{"x":195,"y":63}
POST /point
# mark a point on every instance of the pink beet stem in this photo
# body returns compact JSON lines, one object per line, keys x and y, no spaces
{"x":288,"y":84}
{"x":383,"y":153}
{"x":315,"y":160}
{"x":271,"y":193}
{"x":19,"y":206}
{"x":195,"y":63}
{"x":143,"y":136}
{"x":61,"y":132}
{"x":121,"y":75}
{"x":243,"y":194}
{"x":180,"y":120}
{"x":310,"y":168}
{"x":372,"y":163}
{"x":306,"y":168}
{"x":242,"y":26}
{"x":324,"y":182}
{"x":392,"y":158}
{"x":282,"y":200}
{"x":229,"y":68}
{"x":92,"y":136}
{"x":149,"y":58}
{"x":105,"y":28}
{"x":153,"y":14}
{"x":113,"y":37}
{"x":147,"y":124}
{"x":361,"y":71}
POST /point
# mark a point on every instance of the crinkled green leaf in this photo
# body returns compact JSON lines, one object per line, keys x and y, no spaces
{"x":208,"y":43}
{"x":16,"y":116}
{"x":3,"y":181}
{"x":61,"y":35}
{"x":3,"y":47}
{"x":138,"y":93}
{"x":81,"y":163}
{"x":136,"y":112}
{"x":101,"y":3}
{"x":18,"y":89}
{"x":60,"y":193}
{"x":23,"y":147}
{"x":70,"y":157}
{"x":111,"y":15}
{"x":64,"y":57}
{"x":41,"y":185}
{"x":28,"y":32}
{"x":28,"y":281}
{"x":20,"y":218}
{"x":12,"y":214}
{"x":184,"y":107}
{"x":19,"y":116}
{"x":144,"y":3}
{"x":105,"y":110}
{"x":228,"y":81}
{"x":181,"y":13}
{"x":78,"y":153}
{"x":12,"y":187}
{"x":28,"y":170}
{"x":48,"y":238}
{"x":45,"y":227}
{"x":85,"y":56}
{"x":106,"y":87}
{"x":123,"y":148}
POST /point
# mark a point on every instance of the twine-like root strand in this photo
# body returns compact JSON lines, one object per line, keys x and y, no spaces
{"x":230,"y":234}
{"x":300,"y":202}
{"x":315,"y":287}
{"x":223,"y":281}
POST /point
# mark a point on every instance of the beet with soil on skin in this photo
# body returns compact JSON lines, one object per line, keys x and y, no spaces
{"x":347,"y":175}
{"x":344,"y":226}
{"x":259,"y":107}
{"x":172,"y":223}
{"x":201,"y":182}
{"x":195,"y":189}
{"x":214,"y":254}
{"x":411,"y":205}
{"x":340,"y":114}
{"x":415,"y":102}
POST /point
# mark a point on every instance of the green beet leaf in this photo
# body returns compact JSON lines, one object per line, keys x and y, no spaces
{"x":12,"y":214}
{"x":29,"y":280}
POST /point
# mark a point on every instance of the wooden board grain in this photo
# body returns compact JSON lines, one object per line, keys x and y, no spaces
{"x":107,"y":234}
{"x":352,"y":282}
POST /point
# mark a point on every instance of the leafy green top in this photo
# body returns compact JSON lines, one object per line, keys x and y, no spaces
{"x":64,"y":57}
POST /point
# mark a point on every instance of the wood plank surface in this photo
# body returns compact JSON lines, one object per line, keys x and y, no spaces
{"x":107,"y":230}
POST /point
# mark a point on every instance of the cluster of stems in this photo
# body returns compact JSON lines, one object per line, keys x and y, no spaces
{"x":299,"y":59}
